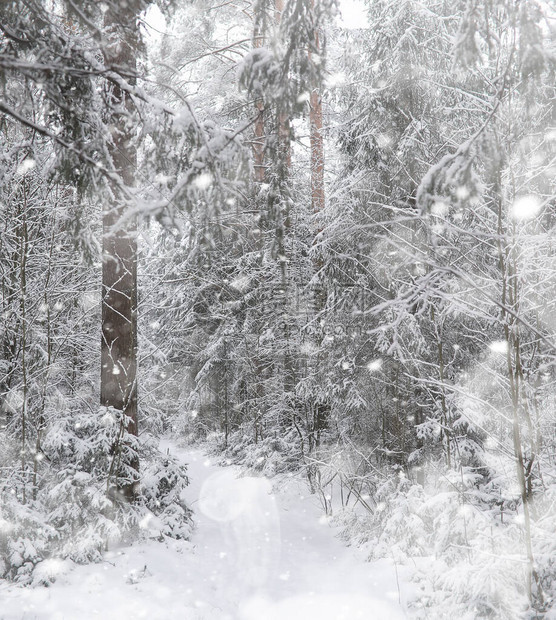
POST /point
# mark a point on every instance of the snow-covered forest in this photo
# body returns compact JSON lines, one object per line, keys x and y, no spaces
{"x":310,"y":244}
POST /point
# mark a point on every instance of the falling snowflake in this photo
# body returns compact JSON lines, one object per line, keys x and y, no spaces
{"x":526,"y":207}
{"x":499,"y":346}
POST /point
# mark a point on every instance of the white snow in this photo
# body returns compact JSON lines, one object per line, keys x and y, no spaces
{"x":374,"y":365}
{"x":440,"y":209}
{"x":498,"y":346}
{"x":203,"y":181}
{"x":256,"y":554}
{"x":25,"y":166}
{"x":526,"y":207}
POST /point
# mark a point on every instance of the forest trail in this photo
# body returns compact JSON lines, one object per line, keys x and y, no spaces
{"x":255,"y":554}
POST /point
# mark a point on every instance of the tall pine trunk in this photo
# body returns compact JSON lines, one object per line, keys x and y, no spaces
{"x":316,"y":138}
{"x":259,"y":137}
{"x":317,"y":154}
{"x":283,"y":120}
{"x":119,"y":249}
{"x":319,"y":409}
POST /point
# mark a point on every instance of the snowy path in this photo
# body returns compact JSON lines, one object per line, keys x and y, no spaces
{"x":254,"y":555}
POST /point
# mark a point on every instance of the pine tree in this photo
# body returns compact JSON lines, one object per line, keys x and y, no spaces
{"x":118,"y":380}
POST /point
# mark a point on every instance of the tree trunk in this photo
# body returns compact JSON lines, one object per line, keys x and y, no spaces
{"x":317,"y":160}
{"x":259,"y":137}
{"x":284,"y":133}
{"x":317,"y":144}
{"x":284,"y":228}
{"x":317,"y":205}
{"x":119,"y":249}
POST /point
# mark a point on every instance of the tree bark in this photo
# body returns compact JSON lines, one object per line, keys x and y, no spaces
{"x":119,"y":245}
{"x":259,"y":138}
{"x":317,"y":157}
{"x":317,"y":143}
{"x":283,"y":117}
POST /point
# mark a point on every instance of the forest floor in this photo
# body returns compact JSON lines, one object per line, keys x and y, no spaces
{"x":258,"y":552}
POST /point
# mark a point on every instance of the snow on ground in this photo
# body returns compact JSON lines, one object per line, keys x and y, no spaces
{"x":255,"y":555}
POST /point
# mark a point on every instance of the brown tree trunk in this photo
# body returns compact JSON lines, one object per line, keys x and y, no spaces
{"x":317,"y":204}
{"x":284,"y":167}
{"x":317,"y":152}
{"x":284,"y":146}
{"x":259,"y":138}
{"x":259,"y":174}
{"x":317,"y":144}
{"x":317,"y":159}
{"x":118,"y":384}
